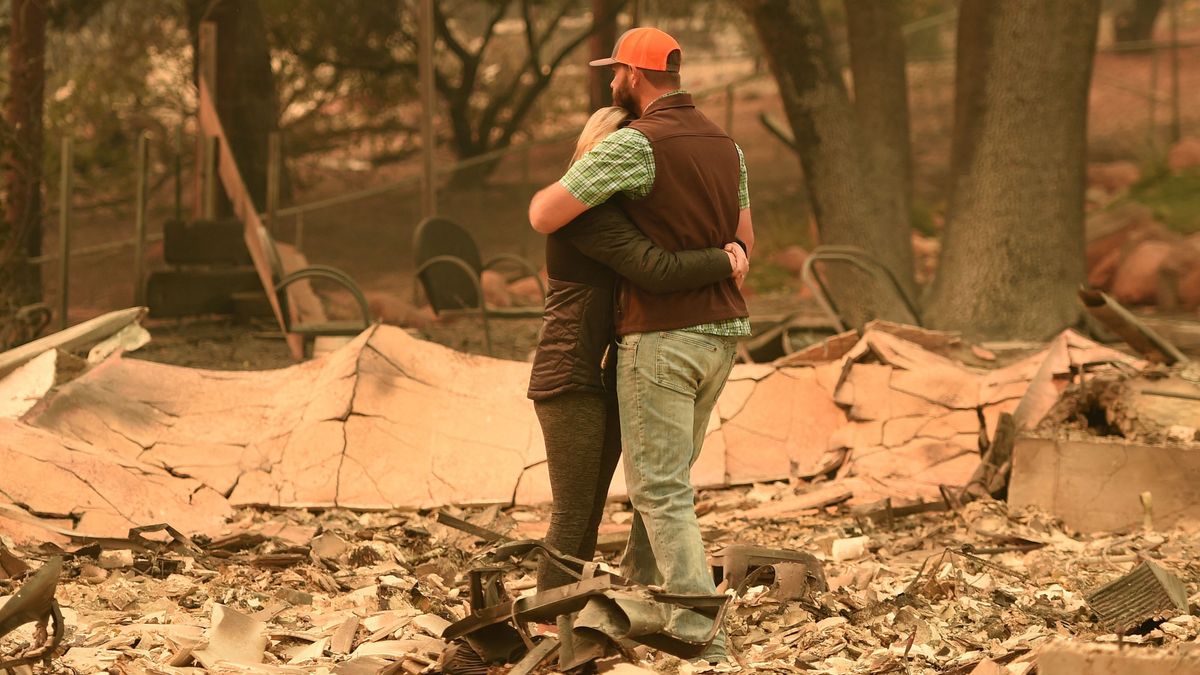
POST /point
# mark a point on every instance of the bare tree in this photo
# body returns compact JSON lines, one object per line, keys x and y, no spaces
{"x":21,"y":231}
{"x":489,"y":84}
{"x":600,"y":45}
{"x":877,"y":61}
{"x":247,"y":101}
{"x":1013,"y":248}
{"x":849,"y":208}
{"x":494,"y":125}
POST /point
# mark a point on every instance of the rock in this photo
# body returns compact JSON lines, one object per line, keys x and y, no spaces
{"x":849,"y":549}
{"x":329,"y":546}
{"x":1184,"y":155}
{"x":925,"y":257}
{"x":1137,"y":277}
{"x":1113,"y":177}
{"x":790,"y":258}
{"x":294,"y":597}
{"x":526,"y":292}
{"x":92,"y":574}
{"x":388,"y":307}
{"x":112,"y":560}
{"x":495,"y":289}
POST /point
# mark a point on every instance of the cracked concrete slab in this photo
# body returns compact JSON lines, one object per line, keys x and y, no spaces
{"x":390,"y":421}
{"x":70,"y":485}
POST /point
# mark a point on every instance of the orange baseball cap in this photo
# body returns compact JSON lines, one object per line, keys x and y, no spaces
{"x":646,"y":48}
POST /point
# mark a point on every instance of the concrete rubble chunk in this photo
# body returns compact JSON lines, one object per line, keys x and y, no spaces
{"x":1074,"y":658}
{"x":21,"y":389}
{"x":236,"y":638}
{"x":1097,"y":485}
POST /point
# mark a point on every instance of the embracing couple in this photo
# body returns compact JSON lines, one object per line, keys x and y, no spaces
{"x":649,"y":237}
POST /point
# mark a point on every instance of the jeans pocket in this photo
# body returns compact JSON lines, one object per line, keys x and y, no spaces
{"x":694,"y":339}
{"x":681,"y":361}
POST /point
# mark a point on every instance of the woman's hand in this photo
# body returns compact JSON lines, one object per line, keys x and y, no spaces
{"x":738,"y":261}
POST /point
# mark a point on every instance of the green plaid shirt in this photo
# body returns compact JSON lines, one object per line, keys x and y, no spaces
{"x":624,"y":162}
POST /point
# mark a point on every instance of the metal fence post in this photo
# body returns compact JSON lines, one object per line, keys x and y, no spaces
{"x":298,"y":240}
{"x":274,"y":168}
{"x":65,"y":188}
{"x":1176,"y":115}
{"x":208,"y":209}
{"x":1151,"y":131}
{"x":179,"y":173}
{"x":729,"y":93}
{"x":139,"y":252}
{"x":425,"y":59}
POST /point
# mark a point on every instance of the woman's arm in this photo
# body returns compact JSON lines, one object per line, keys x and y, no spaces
{"x":606,"y":234}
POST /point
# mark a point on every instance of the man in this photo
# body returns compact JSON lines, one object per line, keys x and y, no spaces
{"x":682,"y":180}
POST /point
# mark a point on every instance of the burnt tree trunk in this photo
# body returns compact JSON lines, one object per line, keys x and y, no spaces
{"x":21,"y":231}
{"x":1136,"y":23}
{"x":600,"y":45}
{"x":849,"y":209}
{"x":1012,"y":255}
{"x":247,"y":102}
{"x":877,"y":61}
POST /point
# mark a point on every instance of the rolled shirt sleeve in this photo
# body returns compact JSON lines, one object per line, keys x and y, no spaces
{"x":622,"y":162}
{"x":743,"y":182}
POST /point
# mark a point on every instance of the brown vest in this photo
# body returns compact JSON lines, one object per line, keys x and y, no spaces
{"x":693,"y":204}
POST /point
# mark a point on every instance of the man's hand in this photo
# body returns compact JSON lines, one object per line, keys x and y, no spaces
{"x":738,"y":261}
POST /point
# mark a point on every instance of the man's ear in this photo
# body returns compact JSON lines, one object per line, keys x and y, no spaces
{"x":635,"y":77}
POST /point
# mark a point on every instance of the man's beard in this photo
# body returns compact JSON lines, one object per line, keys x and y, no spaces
{"x":624,"y":98}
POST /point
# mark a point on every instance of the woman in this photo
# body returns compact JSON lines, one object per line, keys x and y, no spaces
{"x":572,"y":386}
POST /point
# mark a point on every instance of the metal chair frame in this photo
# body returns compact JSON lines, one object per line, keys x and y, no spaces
{"x":858,"y":258}
{"x":474,"y":276}
{"x":282,"y":281}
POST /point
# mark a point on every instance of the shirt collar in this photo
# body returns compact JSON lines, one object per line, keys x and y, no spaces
{"x":669,"y":93}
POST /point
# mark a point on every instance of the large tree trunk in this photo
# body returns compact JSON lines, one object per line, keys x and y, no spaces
{"x":21,"y":231}
{"x":849,"y":209}
{"x":1136,"y":22}
{"x":1013,"y":246}
{"x":600,"y":45}
{"x":877,"y":61}
{"x":246,"y":99}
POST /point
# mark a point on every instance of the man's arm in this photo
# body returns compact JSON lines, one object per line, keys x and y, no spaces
{"x":607,"y":235}
{"x":622,"y":162}
{"x":745,"y":230}
{"x":552,"y":207}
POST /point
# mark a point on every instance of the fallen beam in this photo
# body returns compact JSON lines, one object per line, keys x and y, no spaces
{"x":72,"y":338}
{"x":1133,"y":331}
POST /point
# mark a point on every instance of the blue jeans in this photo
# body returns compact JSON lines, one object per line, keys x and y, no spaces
{"x":667,"y":384}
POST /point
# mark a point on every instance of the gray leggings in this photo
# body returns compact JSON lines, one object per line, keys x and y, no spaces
{"x":583,"y":444}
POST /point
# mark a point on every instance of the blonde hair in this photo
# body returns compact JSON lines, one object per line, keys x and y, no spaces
{"x":602,"y":123}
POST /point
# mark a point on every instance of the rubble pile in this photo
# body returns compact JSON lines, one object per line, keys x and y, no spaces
{"x":340,"y":592}
{"x":377,"y":510}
